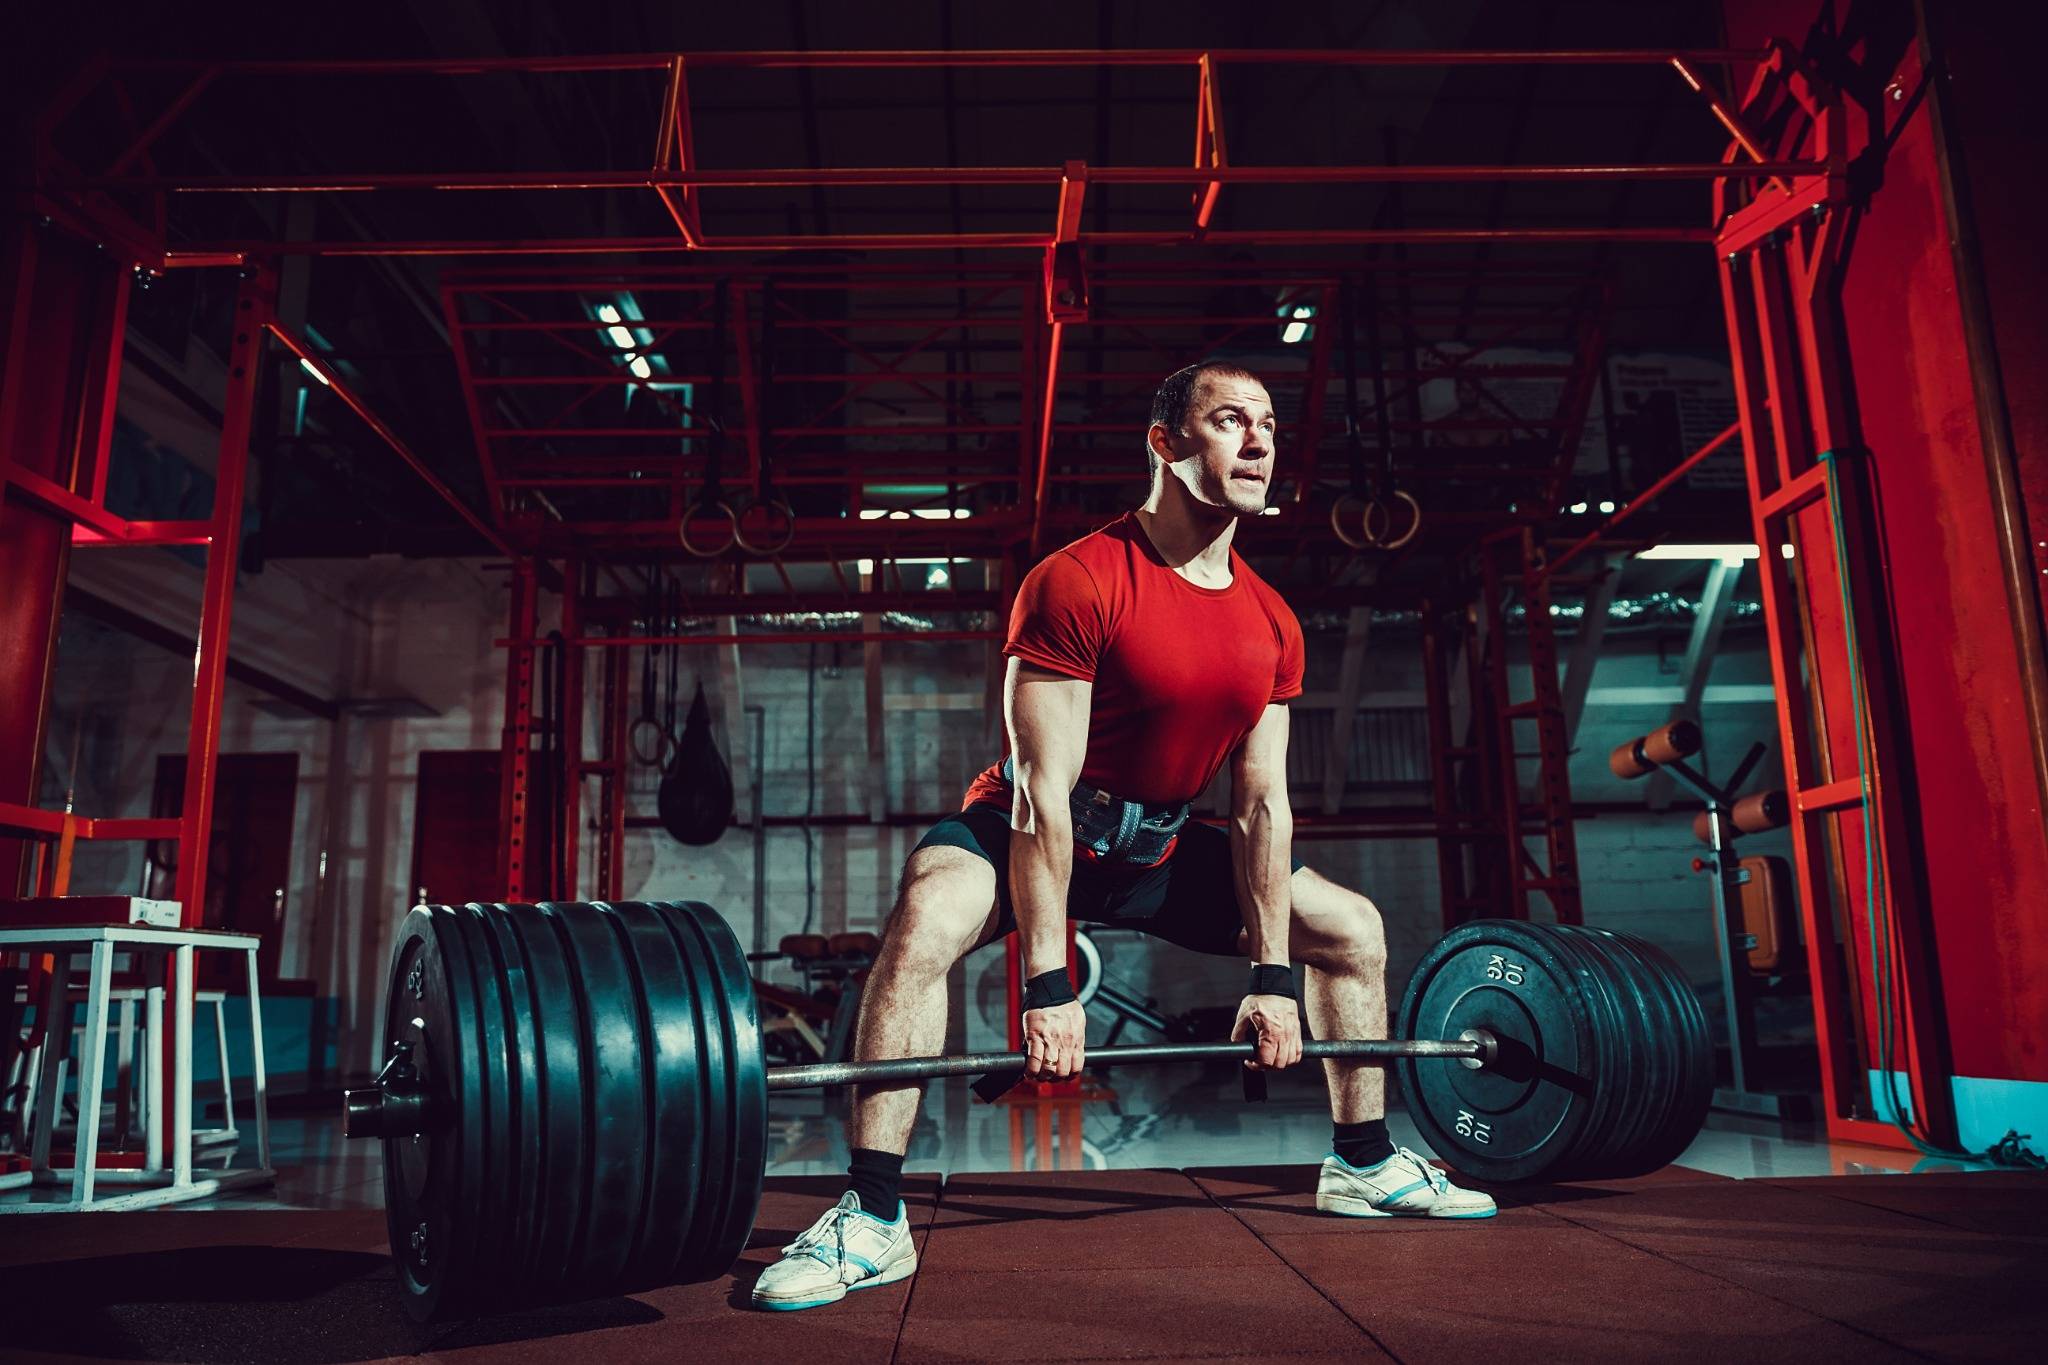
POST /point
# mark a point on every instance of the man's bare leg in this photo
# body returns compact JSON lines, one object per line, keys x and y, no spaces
{"x":1339,"y":941}
{"x":945,"y":908}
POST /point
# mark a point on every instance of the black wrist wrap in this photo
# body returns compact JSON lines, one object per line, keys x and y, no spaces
{"x":1047,"y":989}
{"x":1270,"y":979}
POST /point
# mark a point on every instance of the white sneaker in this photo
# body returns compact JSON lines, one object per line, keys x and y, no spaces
{"x":845,"y":1249}
{"x":1402,"y":1186}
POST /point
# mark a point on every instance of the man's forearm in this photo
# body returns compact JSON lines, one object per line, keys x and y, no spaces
{"x":1041,"y":867}
{"x":1260,"y":840}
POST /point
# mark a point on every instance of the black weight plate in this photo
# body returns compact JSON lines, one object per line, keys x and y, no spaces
{"x":748,"y":1074}
{"x":562,"y":1132}
{"x":437,"y":1254}
{"x":1660,"y":1040}
{"x":1614,"y":1067}
{"x":493,"y":1256}
{"x":672,"y":1156}
{"x":715,"y":1176}
{"x":1688,"y":1054}
{"x":742,"y":1077}
{"x":1639,"y":1077}
{"x":1512,"y":1122}
{"x":460,"y":1242}
{"x":1677,"y":1006}
{"x":1641,"y":1029}
{"x":422,"y":1174}
{"x":614,"y":1092}
{"x":499,"y":944}
{"x":1652,"y":1151}
{"x":1692,"y":1090}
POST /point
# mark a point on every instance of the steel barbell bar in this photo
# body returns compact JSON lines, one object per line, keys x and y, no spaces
{"x":390,"y":1107}
{"x":1478,"y":1049}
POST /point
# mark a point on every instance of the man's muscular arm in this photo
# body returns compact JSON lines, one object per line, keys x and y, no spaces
{"x":1261,"y":844}
{"x":1047,"y":714}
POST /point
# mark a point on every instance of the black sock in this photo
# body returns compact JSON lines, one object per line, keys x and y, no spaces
{"x":874,"y":1176}
{"x":1363,"y":1144}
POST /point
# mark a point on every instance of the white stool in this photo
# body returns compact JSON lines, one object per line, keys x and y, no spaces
{"x":153,"y":946}
{"x":131,"y":1097}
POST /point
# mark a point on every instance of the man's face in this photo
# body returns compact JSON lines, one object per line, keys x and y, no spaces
{"x":1225,"y":454}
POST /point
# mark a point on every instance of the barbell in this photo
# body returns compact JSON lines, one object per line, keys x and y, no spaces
{"x":575,"y":1100}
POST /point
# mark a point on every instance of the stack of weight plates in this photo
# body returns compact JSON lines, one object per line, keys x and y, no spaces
{"x":598,"y":1102}
{"x":1606,"y":1068}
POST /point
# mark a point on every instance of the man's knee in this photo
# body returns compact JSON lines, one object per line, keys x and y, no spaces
{"x":946,"y":897}
{"x":1351,"y":938}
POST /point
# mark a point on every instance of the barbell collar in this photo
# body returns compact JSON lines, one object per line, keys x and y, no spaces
{"x":379,"y":1111}
{"x":1476,"y":1049}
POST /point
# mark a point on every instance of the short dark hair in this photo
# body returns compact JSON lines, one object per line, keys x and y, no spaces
{"x":1176,"y":394}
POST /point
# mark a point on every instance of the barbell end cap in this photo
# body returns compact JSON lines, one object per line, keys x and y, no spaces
{"x":1489,"y":1049}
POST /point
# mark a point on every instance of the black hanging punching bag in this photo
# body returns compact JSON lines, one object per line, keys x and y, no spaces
{"x":695,"y":800}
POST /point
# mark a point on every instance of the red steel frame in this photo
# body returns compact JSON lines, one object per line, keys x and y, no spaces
{"x":81,"y":499}
{"x":923,"y":443}
{"x":127,"y":205}
{"x":677,"y":177}
{"x":1781,"y":250}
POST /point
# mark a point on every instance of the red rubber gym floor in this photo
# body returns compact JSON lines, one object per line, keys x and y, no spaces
{"x":1204,"y":1264}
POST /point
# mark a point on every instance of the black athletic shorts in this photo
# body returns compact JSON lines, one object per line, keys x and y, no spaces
{"x":1189,"y":899}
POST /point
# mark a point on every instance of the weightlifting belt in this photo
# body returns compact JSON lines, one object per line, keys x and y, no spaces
{"x":1109,"y":830}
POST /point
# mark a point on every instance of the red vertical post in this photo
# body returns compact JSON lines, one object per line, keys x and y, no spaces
{"x":1559,"y":877}
{"x":43,"y":279}
{"x":571,"y":738}
{"x":1452,"y":830}
{"x":1492,"y":703}
{"x":514,"y":769}
{"x":254,"y":302}
{"x":95,"y":431}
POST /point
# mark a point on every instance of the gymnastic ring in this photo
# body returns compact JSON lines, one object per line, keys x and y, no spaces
{"x":659,"y":759}
{"x":732,"y":524}
{"x":1338,"y":514}
{"x":1379,"y":539}
{"x":780,"y":529}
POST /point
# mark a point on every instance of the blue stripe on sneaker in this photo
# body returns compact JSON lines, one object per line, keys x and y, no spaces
{"x":1404,"y":1190}
{"x":1362,"y":1170}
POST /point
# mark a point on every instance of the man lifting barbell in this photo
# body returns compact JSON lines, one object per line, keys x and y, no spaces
{"x":574,"y":1099}
{"x":1142,"y":658}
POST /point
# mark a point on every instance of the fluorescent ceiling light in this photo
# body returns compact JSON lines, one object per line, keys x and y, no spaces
{"x":1293,"y":332}
{"x":1698,"y":552}
{"x":621,"y":338}
{"x":1270,"y":512}
{"x":640,"y":368}
{"x":1578,"y":509}
{"x":906,"y":513}
{"x":1606,"y":508}
{"x":310,"y":368}
{"x":607,"y":313}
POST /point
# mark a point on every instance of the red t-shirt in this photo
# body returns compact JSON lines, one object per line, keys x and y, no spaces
{"x":1182,"y":673}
